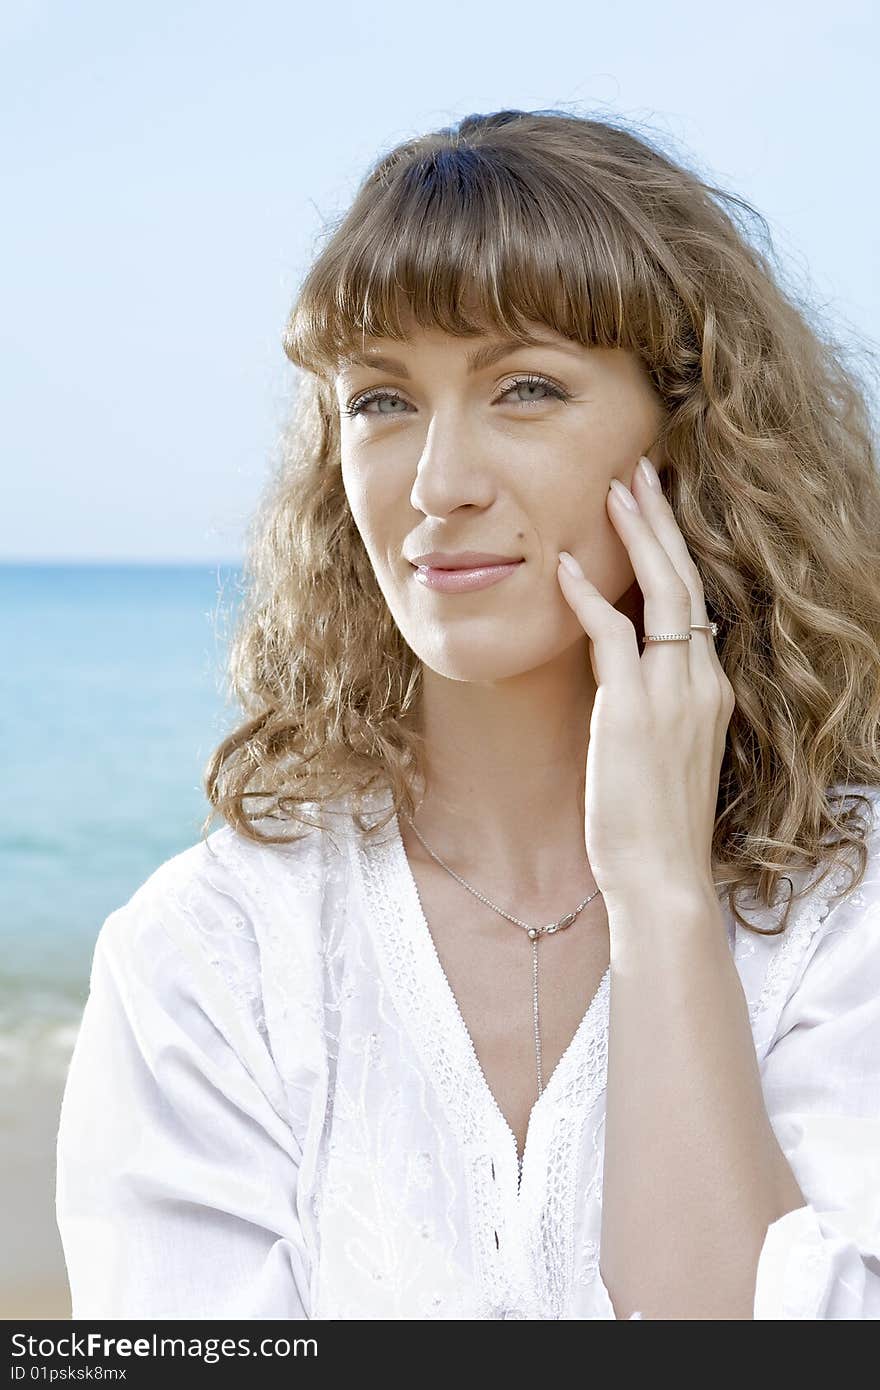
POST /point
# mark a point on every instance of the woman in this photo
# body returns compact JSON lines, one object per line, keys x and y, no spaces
{"x":462,"y":1014}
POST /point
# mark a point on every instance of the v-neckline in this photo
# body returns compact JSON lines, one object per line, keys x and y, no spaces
{"x":456,"y":1028}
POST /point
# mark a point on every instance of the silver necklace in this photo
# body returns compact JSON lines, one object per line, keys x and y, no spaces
{"x":534,"y":935}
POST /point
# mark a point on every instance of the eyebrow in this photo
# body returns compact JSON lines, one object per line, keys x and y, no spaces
{"x":477,"y":361}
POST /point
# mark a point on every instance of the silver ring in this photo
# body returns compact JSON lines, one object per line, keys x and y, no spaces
{"x":682,"y":636}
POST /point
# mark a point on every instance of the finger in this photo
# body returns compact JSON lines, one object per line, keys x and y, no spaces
{"x":667,"y":600}
{"x":659,"y":514}
{"x":614,"y":650}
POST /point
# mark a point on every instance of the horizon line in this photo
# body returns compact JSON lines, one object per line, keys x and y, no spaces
{"x":108,"y":562}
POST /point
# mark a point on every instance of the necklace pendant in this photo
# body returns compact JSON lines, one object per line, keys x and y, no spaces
{"x":534,"y":933}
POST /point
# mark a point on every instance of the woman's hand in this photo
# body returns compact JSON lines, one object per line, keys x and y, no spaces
{"x":659,"y":719}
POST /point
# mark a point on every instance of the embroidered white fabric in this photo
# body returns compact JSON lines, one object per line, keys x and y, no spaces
{"x":274,"y":1108}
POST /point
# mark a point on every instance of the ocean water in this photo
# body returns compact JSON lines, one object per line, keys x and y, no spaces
{"x":112,"y":699}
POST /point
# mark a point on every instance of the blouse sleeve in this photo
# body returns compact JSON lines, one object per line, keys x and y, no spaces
{"x":821,"y":1083}
{"x":176,"y":1181}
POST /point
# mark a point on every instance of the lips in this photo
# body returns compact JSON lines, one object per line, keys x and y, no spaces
{"x":464,"y":579}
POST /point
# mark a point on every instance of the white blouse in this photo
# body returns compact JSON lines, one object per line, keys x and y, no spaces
{"x":274,"y":1108}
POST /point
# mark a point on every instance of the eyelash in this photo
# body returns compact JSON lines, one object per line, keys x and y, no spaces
{"x":380,"y":393}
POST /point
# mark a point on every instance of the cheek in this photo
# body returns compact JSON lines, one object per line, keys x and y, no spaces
{"x":379,"y":517}
{"x":584,"y":528}
{"x":364,"y":498}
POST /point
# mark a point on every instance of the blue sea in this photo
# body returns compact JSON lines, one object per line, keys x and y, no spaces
{"x":112,"y":699}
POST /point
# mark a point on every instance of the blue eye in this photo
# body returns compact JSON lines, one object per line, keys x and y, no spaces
{"x":555,"y":391}
{"x":357,"y":406}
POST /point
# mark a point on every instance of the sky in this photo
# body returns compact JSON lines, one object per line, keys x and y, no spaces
{"x":169,"y":170}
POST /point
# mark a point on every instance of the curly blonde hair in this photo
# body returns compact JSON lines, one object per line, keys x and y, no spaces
{"x":771,"y":472}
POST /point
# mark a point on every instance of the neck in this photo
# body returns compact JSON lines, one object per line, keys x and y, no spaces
{"x":502,"y":801}
{"x":505,"y":762}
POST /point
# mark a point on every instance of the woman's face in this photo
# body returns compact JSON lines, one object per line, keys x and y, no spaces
{"x":445,"y":457}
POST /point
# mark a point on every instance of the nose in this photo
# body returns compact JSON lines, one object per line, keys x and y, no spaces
{"x":451,"y":471}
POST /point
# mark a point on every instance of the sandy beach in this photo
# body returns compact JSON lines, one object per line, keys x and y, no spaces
{"x":33,"y":1279}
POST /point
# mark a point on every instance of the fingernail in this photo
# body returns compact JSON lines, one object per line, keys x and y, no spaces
{"x":649,"y":472}
{"x":622,"y":491}
{"x":571,"y":564}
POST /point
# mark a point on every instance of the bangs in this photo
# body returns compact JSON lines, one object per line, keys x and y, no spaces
{"x":475,"y":241}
